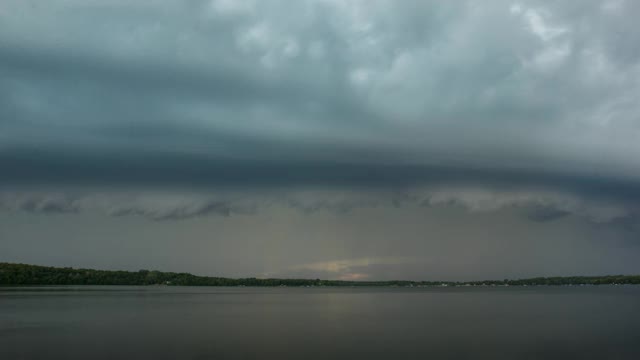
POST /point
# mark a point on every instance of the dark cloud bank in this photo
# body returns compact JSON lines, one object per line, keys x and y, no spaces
{"x":524,"y":112}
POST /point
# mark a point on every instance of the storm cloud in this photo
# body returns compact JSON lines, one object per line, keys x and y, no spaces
{"x":538,"y":205}
{"x":227,"y":111}
{"x":531,"y":85}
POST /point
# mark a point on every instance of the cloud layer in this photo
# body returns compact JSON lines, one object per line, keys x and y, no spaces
{"x":340,"y":138}
{"x":537,"y":205}
{"x":511,"y":84}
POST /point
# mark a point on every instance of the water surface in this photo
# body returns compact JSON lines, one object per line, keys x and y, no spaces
{"x":113,"y":322}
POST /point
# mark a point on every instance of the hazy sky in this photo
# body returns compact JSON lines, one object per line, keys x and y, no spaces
{"x":328,"y":138}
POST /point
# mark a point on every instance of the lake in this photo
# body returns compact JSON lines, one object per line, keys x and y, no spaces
{"x":158,"y":322}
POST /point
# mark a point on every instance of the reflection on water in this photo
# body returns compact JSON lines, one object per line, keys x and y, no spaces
{"x":113,"y":322}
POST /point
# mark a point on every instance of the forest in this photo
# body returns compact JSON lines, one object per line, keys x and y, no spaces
{"x":23,"y":274}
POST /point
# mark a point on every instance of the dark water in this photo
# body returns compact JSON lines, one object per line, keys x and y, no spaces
{"x":320,"y":323}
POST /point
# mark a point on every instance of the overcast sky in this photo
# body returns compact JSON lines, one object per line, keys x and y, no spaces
{"x":328,"y":138}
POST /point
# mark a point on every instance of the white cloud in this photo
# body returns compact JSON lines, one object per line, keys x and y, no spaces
{"x":258,"y":37}
{"x":551,"y":57}
{"x":359,"y":77}
{"x":540,"y":27}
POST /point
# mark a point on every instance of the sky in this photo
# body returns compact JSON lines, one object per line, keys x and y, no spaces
{"x":356,"y":140}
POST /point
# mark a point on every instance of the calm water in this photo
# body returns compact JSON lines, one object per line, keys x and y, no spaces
{"x":320,"y":323}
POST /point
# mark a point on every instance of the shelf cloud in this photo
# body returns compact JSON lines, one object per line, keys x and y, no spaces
{"x":535,"y":205}
{"x":524,"y":85}
{"x":525,"y":113}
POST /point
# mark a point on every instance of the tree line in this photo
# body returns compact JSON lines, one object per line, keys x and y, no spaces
{"x":23,"y":274}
